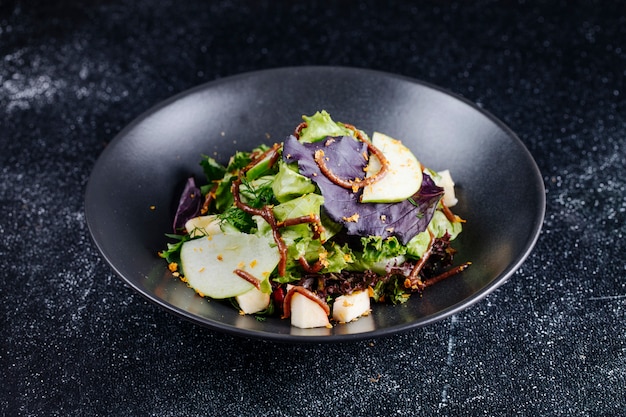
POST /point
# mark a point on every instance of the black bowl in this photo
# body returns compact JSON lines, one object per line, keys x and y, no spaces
{"x":135,"y":184}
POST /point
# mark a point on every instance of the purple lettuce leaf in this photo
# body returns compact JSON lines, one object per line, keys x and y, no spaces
{"x":189,"y":204}
{"x":403,"y":220}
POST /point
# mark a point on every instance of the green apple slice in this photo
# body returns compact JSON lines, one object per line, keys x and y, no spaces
{"x":203,"y":225}
{"x":209,"y":263}
{"x":404,"y":172}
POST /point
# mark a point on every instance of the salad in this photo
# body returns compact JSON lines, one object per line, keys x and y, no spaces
{"x":317,"y":227}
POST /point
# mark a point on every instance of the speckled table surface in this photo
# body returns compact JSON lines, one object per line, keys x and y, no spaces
{"x":77,"y":341}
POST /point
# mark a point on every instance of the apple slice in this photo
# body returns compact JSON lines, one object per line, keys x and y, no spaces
{"x":253,"y":301}
{"x":306,"y":313}
{"x":203,"y":225}
{"x":351,"y":306}
{"x":403,"y":177}
{"x":444,"y":180}
{"x":209,"y":262}
{"x":305,"y":309}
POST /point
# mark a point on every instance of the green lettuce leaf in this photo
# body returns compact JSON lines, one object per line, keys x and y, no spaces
{"x":339,"y":258}
{"x":302,"y":206}
{"x":376,"y":248}
{"x":438,"y":226}
{"x":213,"y":170}
{"x":378,"y":253}
{"x":320,"y":126}
{"x":239,"y":160}
{"x":289,"y":184}
{"x":223,"y":196}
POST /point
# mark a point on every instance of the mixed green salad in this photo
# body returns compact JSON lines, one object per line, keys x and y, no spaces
{"x":316,"y":227}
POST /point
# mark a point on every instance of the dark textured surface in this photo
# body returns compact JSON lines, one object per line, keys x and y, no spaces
{"x":77,"y":341}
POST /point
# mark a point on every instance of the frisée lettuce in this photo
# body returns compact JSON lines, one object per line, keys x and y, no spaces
{"x":283,"y":228}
